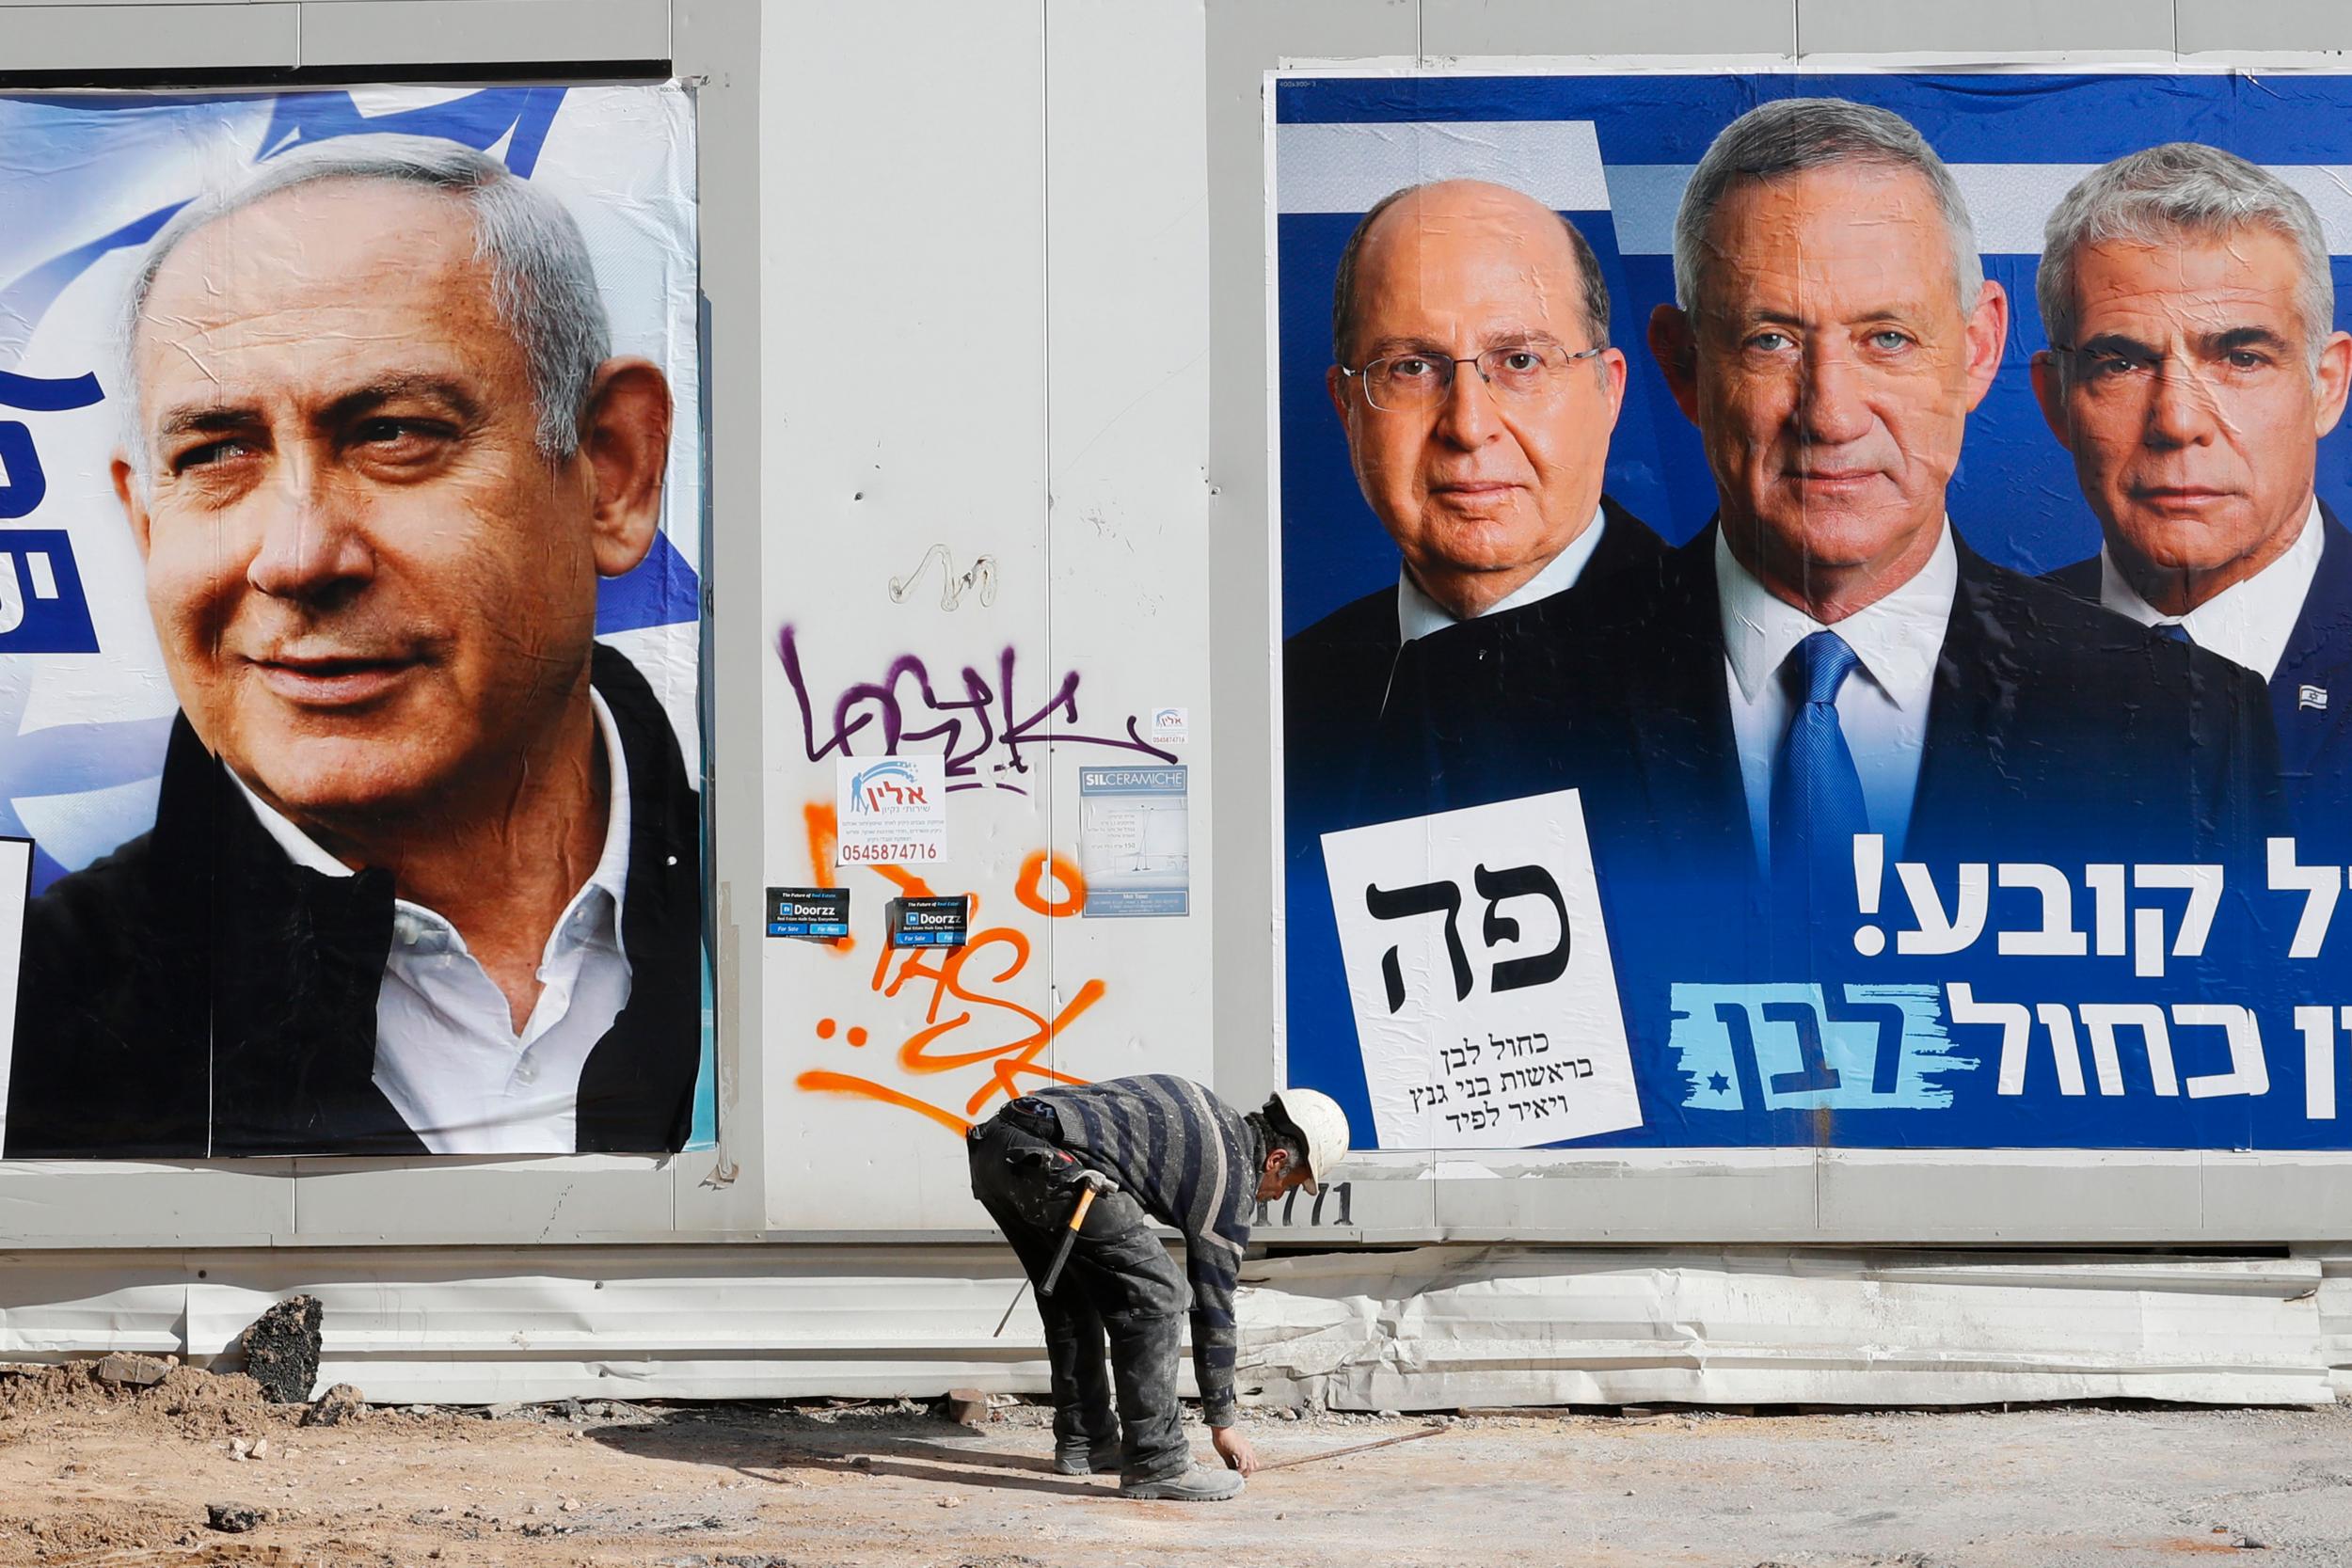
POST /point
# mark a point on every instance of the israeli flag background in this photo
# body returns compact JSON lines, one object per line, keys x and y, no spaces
{"x":1613,"y":152}
{"x":87,"y":179}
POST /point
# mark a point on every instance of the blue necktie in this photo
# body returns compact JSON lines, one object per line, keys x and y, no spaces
{"x":1816,"y":794}
{"x":2176,"y":631}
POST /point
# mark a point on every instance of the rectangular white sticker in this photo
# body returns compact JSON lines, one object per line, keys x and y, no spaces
{"x":893,"y":810}
{"x":1478,"y":970}
{"x":1135,"y":841}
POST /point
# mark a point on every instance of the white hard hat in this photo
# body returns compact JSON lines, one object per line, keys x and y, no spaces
{"x":1323,"y":1126}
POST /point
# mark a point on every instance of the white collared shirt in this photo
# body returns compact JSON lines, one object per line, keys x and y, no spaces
{"x":1883,"y":707}
{"x":2248,"y":623}
{"x":447,"y":1055}
{"x":1418,"y":614}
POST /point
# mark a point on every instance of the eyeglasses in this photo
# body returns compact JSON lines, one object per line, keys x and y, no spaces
{"x":1416,"y":383}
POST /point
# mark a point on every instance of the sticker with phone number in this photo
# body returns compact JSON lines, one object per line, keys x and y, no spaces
{"x":889,"y":854}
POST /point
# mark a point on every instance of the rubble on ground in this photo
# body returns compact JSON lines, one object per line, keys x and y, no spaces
{"x":339,"y":1404}
{"x":200,"y":1404}
{"x":281,"y":1350}
{"x":137,"y":1371}
{"x":235,"y":1518}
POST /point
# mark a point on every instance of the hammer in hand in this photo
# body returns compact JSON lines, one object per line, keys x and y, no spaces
{"x":1095,"y":1183}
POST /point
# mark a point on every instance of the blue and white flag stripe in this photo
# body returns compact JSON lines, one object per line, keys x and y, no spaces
{"x":1345,"y":168}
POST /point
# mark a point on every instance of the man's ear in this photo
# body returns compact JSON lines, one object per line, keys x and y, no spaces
{"x":2334,"y":377}
{"x":133,"y":507}
{"x":1613,"y":377}
{"x":2051,"y":394}
{"x":1674,"y":346}
{"x":626,"y":437}
{"x":1987,"y":336}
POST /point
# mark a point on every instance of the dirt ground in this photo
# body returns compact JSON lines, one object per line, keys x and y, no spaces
{"x":91,"y":1474}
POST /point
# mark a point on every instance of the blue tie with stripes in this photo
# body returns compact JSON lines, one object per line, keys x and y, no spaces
{"x":1816,"y":793}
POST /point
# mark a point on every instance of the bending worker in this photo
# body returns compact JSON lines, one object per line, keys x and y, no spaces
{"x":1155,"y":1148}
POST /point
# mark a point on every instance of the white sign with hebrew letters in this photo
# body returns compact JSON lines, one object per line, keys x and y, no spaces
{"x":1478,"y":971}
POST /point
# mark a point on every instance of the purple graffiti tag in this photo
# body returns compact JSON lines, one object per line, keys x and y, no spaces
{"x":981,"y":720}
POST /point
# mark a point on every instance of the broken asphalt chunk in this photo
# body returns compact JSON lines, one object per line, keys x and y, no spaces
{"x":281,"y":1350}
{"x":235,"y":1518}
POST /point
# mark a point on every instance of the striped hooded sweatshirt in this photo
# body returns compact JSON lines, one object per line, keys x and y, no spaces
{"x":1193,"y":1163}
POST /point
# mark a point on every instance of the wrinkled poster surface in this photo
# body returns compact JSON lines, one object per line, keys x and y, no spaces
{"x":1815,"y":609}
{"x":350,"y":534}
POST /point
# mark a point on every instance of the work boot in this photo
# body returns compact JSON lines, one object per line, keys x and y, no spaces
{"x":1082,"y":1459}
{"x":1195,"y":1485}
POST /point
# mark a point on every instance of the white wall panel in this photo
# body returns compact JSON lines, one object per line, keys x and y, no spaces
{"x":1127,"y":430}
{"x":1429,"y":1328}
{"x":2267,"y":26}
{"x":423,"y":31}
{"x":1523,"y":28}
{"x":904,"y":379}
{"x":1992,"y":28}
{"x":190,"y":37}
{"x":1007,"y":302}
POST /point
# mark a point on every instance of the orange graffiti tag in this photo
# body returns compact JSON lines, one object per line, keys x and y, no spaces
{"x":1030,"y":889}
{"x":1005,"y":1034}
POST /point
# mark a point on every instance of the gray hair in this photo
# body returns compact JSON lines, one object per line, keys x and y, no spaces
{"x":542,"y":281}
{"x":1595,"y":288}
{"x":2156,"y":197}
{"x":1788,"y":135}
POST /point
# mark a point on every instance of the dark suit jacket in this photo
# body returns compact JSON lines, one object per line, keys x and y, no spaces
{"x":195,"y":994}
{"x":1362,"y":718}
{"x":2311,"y":693}
{"x":2057,"y":732}
{"x":1364,"y":722}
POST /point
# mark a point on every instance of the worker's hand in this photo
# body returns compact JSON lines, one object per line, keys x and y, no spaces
{"x":1234,"y":1450}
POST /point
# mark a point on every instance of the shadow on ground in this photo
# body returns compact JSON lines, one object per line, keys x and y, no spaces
{"x":771,"y":1444}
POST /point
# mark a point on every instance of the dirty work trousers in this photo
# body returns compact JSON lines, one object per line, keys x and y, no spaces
{"x":1119,"y":1285}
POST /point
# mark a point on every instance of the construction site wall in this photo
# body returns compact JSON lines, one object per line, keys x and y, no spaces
{"x":984,"y":358}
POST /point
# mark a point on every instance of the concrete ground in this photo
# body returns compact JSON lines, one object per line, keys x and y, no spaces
{"x":114,"y":1479}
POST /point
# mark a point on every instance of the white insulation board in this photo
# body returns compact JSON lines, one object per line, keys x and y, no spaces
{"x":1433,"y":1328}
{"x":1439,"y":1328}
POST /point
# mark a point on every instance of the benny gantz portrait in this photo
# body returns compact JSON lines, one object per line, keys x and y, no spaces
{"x":1832,"y":658}
{"x":1478,"y":389}
{"x":425,"y":873}
{"x":2194,"y":367}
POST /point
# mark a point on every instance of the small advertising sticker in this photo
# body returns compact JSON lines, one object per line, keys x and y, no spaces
{"x":893,"y":810}
{"x":931,"y":922}
{"x":1478,"y":970}
{"x":808,"y":912}
{"x":1135,"y":841}
{"x":1170,"y":726}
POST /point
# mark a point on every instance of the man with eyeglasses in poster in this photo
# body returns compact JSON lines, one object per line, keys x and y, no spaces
{"x":2194,"y":368}
{"x":1478,"y":390}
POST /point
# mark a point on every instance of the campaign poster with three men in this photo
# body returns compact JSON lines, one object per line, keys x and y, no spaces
{"x":350,"y":536}
{"x":1815,"y":609}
